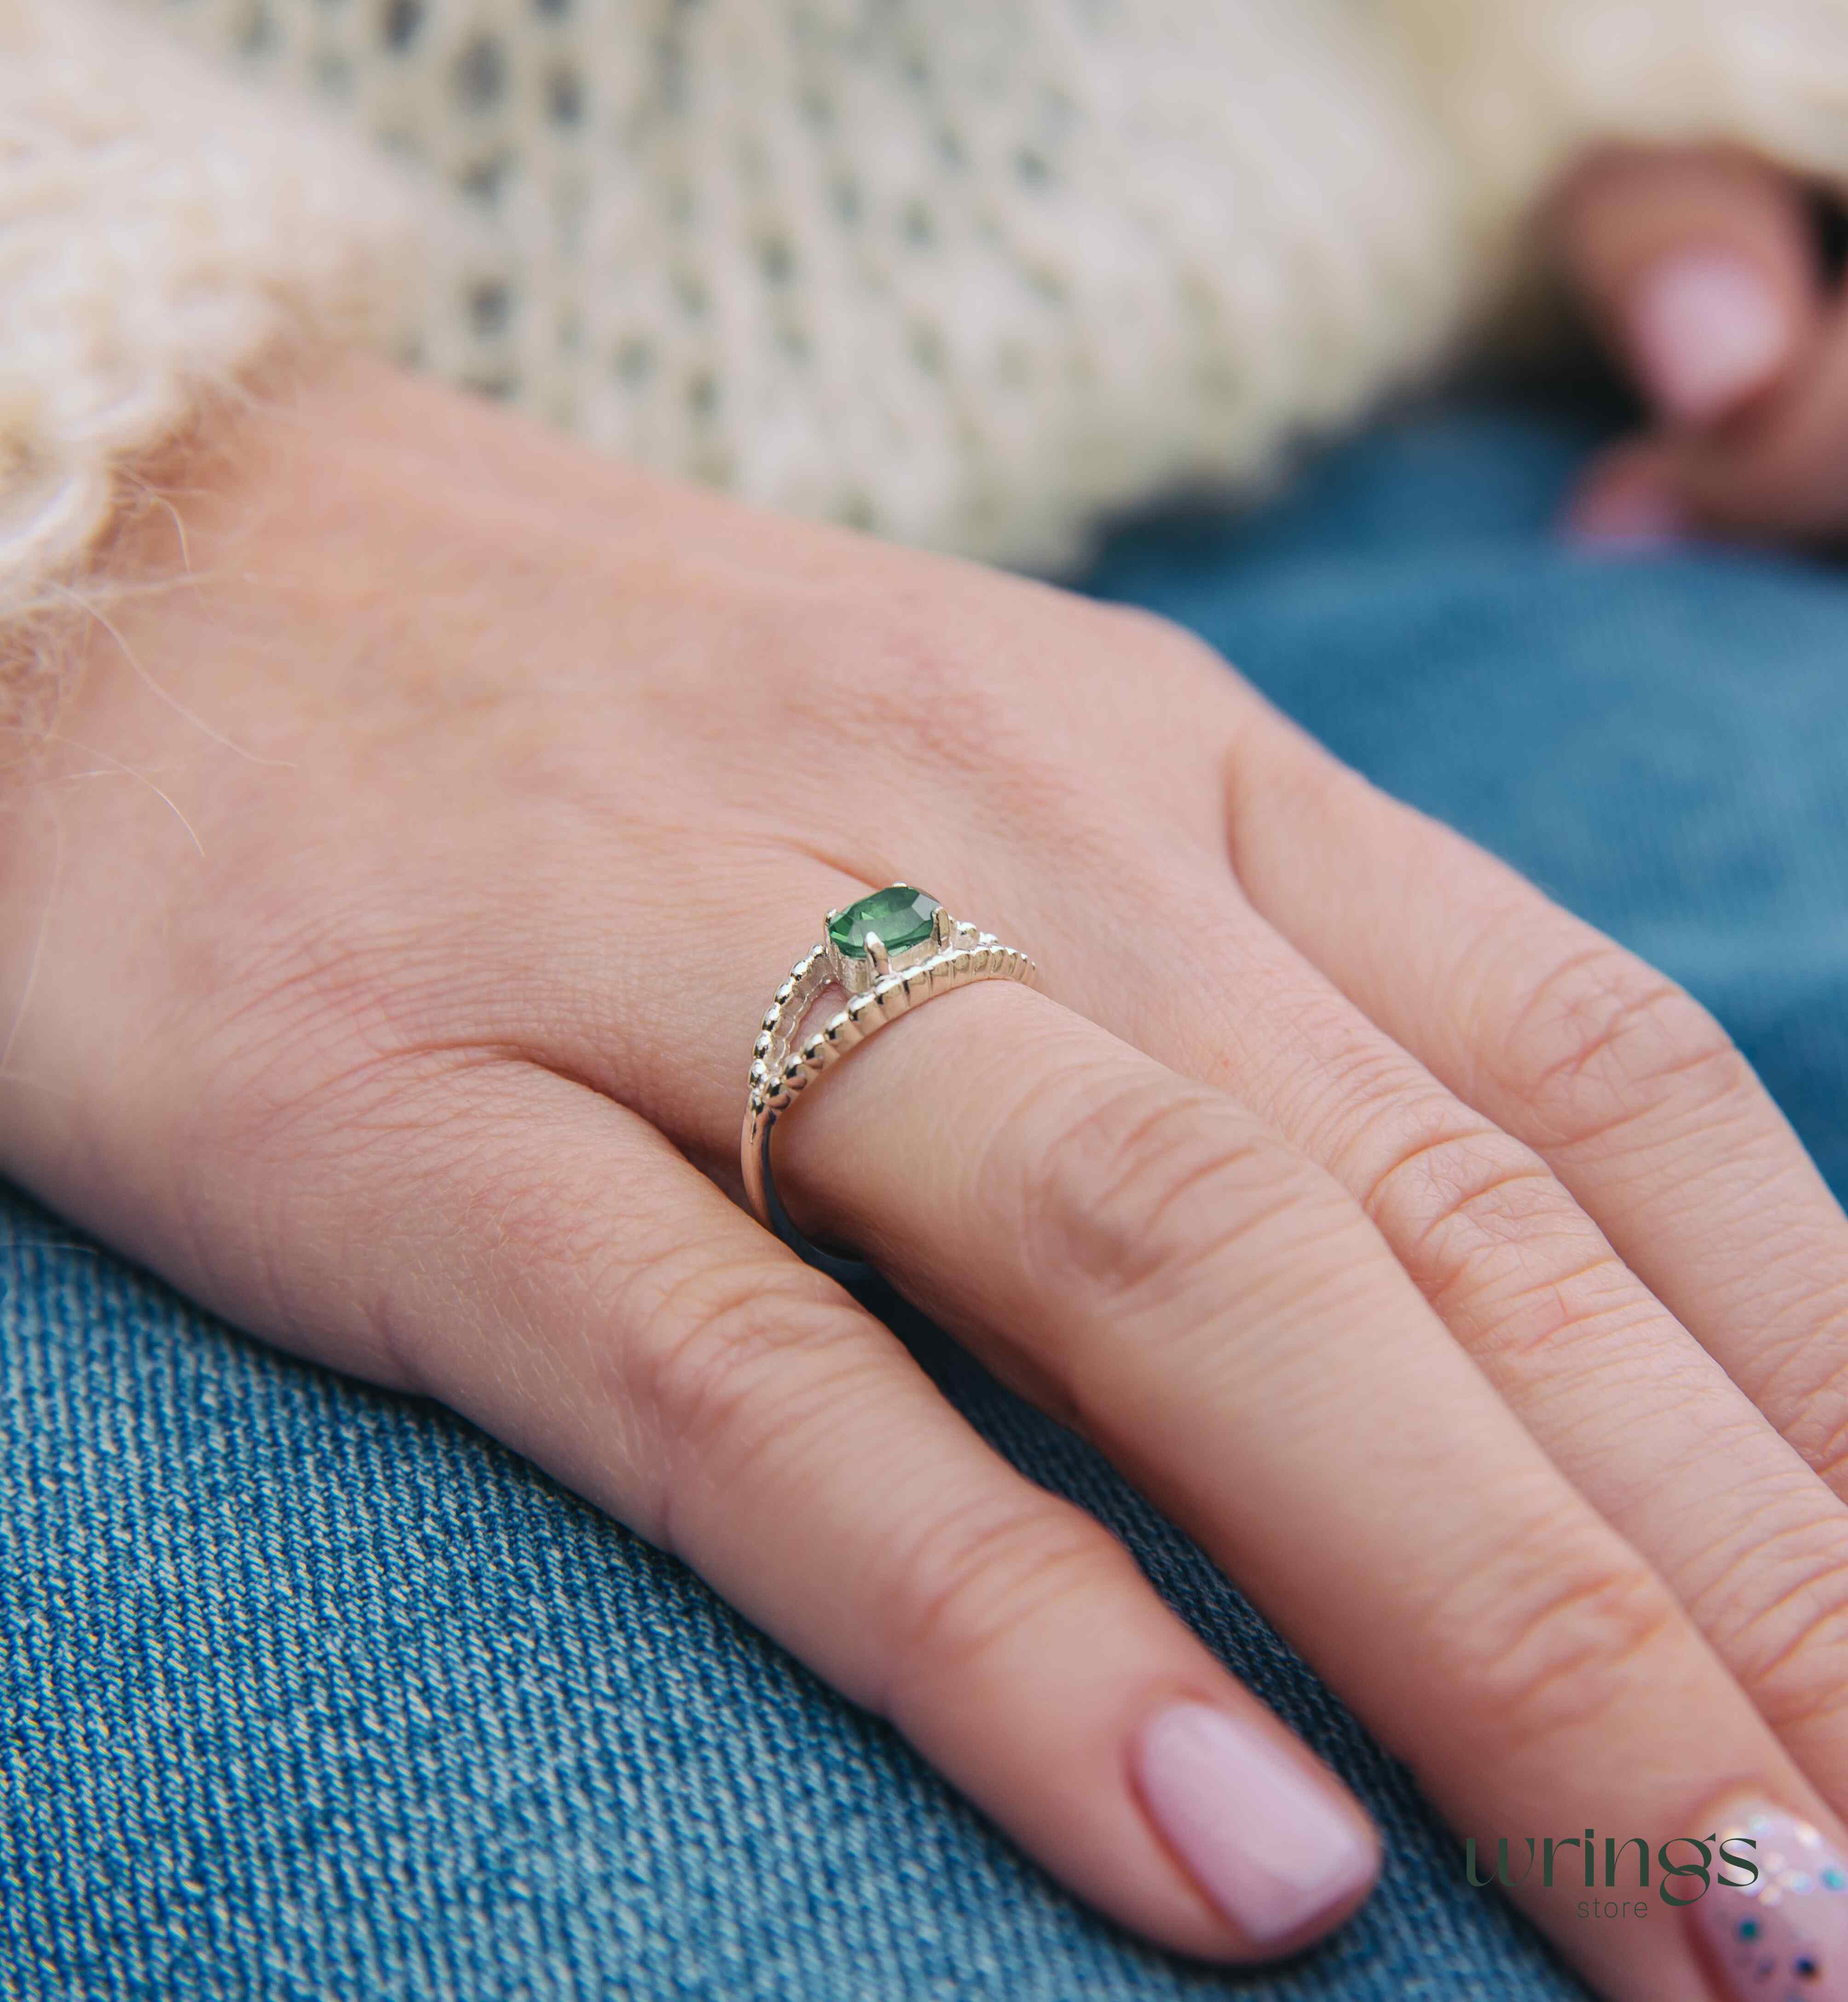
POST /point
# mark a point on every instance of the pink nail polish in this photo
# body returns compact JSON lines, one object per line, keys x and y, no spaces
{"x":1785,"y":1934}
{"x":1266,"y":1842}
{"x":1706,"y":330}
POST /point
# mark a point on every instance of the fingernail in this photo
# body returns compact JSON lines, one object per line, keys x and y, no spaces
{"x":1785,"y":1933}
{"x":1267,"y":1845}
{"x":1627,"y":514}
{"x":1706,"y":330}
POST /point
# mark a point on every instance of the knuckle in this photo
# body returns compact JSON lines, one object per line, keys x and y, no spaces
{"x":1822,"y":1435}
{"x":1801,"y":1381}
{"x":1493,"y":1239}
{"x":704,"y":1376}
{"x":1790,"y":1652}
{"x":1155,"y":638}
{"x":977,"y":1579}
{"x":1142,"y":1190}
{"x":912,"y":670}
{"x":1455,"y":1178}
{"x":281,"y":1174}
{"x":1142,"y":624}
{"x":1602,"y":1038}
{"x":1536,"y":1645}
{"x":1277,"y":774}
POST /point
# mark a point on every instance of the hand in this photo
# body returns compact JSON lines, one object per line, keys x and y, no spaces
{"x":1702,"y":269}
{"x":385,"y":928}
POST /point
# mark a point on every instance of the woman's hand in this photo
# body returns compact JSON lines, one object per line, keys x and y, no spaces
{"x":384,"y":932}
{"x":1704,"y":271}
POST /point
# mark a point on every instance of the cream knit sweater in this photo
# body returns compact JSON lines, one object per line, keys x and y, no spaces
{"x":967,"y":272}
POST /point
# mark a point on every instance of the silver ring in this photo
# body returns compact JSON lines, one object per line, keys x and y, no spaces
{"x":888,"y":953}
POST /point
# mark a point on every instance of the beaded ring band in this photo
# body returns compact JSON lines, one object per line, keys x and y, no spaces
{"x":887,"y":954}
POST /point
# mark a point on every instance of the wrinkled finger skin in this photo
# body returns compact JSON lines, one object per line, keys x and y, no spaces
{"x":383,"y":929}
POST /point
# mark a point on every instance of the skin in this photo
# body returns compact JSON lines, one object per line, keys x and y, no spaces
{"x":1770,"y":464}
{"x":384,"y":923}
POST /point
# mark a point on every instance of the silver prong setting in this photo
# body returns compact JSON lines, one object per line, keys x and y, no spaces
{"x":877,"y":988}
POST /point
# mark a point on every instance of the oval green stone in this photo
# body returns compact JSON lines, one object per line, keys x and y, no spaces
{"x":901,"y":916}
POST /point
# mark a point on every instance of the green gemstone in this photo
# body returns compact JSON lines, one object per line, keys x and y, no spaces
{"x":901,"y":916}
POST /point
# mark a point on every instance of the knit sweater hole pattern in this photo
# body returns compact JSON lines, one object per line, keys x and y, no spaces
{"x":973,"y":274}
{"x":967,"y":275}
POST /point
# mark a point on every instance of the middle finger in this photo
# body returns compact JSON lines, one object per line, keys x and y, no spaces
{"x":1647,"y":1425}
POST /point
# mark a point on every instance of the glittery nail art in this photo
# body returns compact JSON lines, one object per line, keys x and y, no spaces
{"x":1784,"y":1937}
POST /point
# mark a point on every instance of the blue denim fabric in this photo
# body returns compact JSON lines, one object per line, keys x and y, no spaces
{"x":308,"y":1691}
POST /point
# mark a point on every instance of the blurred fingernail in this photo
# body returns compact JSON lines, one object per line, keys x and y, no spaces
{"x":1782,"y":1931}
{"x":1627,"y":514}
{"x":1706,"y":329}
{"x":1267,"y":1843}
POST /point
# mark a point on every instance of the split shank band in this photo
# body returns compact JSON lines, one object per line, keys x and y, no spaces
{"x":887,"y":954}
